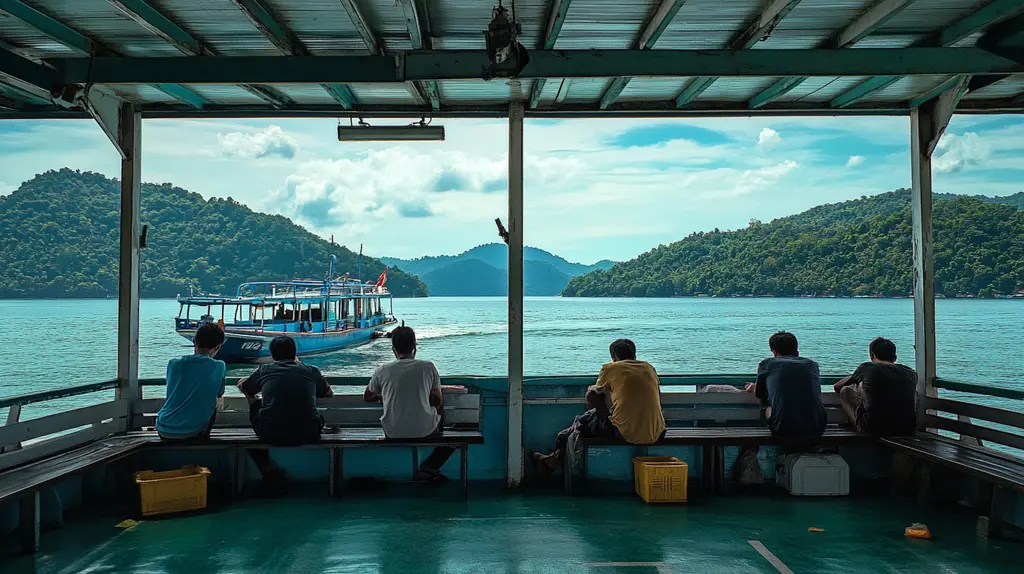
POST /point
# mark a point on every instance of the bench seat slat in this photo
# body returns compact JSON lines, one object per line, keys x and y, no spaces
{"x":343,"y":438}
{"x":736,"y":436}
{"x":36,"y":475}
{"x":992,"y":467}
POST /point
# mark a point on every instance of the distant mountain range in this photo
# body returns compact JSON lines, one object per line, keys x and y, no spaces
{"x":481,"y":271}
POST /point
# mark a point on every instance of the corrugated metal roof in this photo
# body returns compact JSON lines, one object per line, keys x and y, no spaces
{"x":325,"y":28}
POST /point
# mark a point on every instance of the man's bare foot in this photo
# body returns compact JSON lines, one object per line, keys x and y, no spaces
{"x":548,"y":463}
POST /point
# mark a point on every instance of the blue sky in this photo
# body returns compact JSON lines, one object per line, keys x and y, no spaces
{"x":595,"y":189}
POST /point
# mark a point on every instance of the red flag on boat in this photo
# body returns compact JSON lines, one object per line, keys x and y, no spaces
{"x":383,"y":278}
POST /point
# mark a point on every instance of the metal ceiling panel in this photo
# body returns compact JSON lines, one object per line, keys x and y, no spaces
{"x":225,"y":94}
{"x":605,"y":24}
{"x":812,"y":22}
{"x":386,"y":94}
{"x":101,"y":22}
{"x":821,"y":89}
{"x":906,"y":89}
{"x":30,"y":41}
{"x":481,"y":91}
{"x":143,"y":94}
{"x":306,"y":94}
{"x":586,"y":90}
{"x":645,"y":89}
{"x":734,"y":89}
{"x":922,"y":17}
{"x":707,"y":24}
{"x":1010,"y":87}
{"x":220,"y":24}
{"x":323,"y":26}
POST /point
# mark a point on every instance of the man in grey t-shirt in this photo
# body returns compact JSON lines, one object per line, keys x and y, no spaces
{"x":410,"y":391}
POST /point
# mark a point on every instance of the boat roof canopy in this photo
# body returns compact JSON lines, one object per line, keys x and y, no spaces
{"x":587,"y":58}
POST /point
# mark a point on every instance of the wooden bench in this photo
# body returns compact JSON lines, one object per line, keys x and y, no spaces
{"x":355,"y":424}
{"x":24,"y":482}
{"x":968,"y":455}
{"x":714,"y":420}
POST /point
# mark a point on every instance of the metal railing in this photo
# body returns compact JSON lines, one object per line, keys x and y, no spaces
{"x":25,"y":440}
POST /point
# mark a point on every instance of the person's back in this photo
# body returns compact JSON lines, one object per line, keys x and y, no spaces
{"x":289,"y":392}
{"x":194,"y":382}
{"x":890,"y":398}
{"x":404,"y":386}
{"x":286,"y":413}
{"x":635,"y":399}
{"x":791,"y":387}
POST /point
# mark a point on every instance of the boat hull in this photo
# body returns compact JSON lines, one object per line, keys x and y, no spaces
{"x":249,"y":347}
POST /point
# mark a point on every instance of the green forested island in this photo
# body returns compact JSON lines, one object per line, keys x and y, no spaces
{"x":855,"y":248}
{"x":59,"y":238}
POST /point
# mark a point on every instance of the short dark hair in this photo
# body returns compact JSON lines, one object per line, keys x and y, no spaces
{"x":282,"y":348}
{"x":208,"y":336}
{"x":784,"y":343}
{"x":403,"y":340}
{"x":884,"y":349}
{"x":622,"y":350}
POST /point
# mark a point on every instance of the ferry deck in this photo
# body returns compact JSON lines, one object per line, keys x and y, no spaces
{"x":66,"y":478}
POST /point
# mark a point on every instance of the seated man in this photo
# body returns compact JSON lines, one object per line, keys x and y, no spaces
{"x":410,"y":390}
{"x":880,"y":397}
{"x":789,"y":386}
{"x":631,"y":389}
{"x":286,"y":413}
{"x":194,"y":382}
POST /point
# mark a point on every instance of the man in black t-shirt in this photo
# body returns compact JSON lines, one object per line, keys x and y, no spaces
{"x":285,"y":414}
{"x":880,"y":397}
{"x":789,"y":386}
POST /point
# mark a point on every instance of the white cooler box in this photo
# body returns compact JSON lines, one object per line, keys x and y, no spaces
{"x":814,"y":474}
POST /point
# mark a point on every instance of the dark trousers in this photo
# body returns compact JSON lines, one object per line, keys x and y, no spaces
{"x":591,"y":424}
{"x":297,"y":435}
{"x":439,"y":455}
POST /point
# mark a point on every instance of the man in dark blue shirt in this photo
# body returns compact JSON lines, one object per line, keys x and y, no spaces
{"x":789,"y":386}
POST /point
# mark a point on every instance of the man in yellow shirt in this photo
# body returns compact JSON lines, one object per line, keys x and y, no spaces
{"x":624,"y":404}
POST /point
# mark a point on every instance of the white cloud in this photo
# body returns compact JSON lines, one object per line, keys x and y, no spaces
{"x":855,"y":160}
{"x":768,"y":138}
{"x":958,"y":153}
{"x":271,"y":141}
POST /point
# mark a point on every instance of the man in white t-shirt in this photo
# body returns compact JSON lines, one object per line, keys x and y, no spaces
{"x":410,"y":390}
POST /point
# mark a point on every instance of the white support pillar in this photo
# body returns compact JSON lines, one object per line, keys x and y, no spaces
{"x":129,"y":139}
{"x":514,"y":471}
{"x":927,"y":123}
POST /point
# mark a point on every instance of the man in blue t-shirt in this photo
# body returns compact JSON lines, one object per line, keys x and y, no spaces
{"x":194,"y":382}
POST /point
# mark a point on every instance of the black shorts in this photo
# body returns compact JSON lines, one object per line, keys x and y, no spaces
{"x":292,"y":434}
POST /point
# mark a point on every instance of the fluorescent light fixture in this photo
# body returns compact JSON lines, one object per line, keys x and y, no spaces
{"x":414,"y":132}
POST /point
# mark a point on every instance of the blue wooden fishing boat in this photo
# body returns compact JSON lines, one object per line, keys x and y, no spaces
{"x":322,"y":316}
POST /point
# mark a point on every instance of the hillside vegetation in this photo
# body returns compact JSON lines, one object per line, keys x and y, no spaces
{"x":59,"y":238}
{"x":859,"y":247}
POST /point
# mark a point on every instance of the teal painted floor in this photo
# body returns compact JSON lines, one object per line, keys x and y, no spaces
{"x":433,"y":531}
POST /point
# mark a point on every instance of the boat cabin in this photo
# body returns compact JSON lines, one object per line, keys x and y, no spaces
{"x":122,"y":63}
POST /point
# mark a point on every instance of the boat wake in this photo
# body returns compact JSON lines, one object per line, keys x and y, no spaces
{"x":452,"y":331}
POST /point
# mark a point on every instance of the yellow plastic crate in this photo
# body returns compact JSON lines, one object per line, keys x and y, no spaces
{"x":660,"y":478}
{"x":172,"y":491}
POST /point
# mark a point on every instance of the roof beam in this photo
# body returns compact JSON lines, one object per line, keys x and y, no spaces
{"x":856,"y":31}
{"x":557,"y":12}
{"x":756,"y":31}
{"x":416,"y":24}
{"x":288,"y":43}
{"x":652,"y":32}
{"x":25,"y":76}
{"x":362,"y":27}
{"x":65,"y":35}
{"x":156,"y":22}
{"x":977,"y":20}
{"x":469,"y":64}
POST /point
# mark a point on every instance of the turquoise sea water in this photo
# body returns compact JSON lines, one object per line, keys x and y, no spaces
{"x":54,"y":343}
